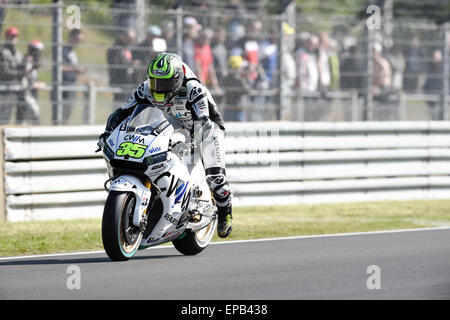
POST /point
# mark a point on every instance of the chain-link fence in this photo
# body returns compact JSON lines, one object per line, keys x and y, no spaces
{"x":292,"y":66}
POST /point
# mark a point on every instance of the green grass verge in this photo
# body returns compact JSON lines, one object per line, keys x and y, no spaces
{"x":38,"y":237}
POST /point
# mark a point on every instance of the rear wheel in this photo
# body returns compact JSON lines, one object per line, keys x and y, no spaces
{"x":192,"y":243}
{"x":121,"y":238}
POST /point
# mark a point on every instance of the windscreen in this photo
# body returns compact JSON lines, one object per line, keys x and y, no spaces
{"x":145,"y":119}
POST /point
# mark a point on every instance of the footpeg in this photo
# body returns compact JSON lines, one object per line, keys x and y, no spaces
{"x":195,"y":216}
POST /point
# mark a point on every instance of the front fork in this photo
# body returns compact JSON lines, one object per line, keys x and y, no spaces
{"x":130,"y":183}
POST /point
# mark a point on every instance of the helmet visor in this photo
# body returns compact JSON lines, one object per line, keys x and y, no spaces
{"x":162,"y":85}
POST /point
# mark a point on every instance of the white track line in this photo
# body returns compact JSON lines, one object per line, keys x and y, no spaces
{"x":330,"y":235}
{"x":240,"y":241}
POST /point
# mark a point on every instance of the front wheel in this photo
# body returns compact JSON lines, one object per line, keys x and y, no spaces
{"x":121,"y":238}
{"x":192,"y":243}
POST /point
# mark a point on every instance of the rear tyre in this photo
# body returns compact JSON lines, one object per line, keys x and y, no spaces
{"x":121,"y":238}
{"x":195,"y":242}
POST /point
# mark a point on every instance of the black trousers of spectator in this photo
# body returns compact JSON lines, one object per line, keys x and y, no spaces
{"x":435,"y":111}
{"x":69,"y":98}
{"x":27,"y":109}
{"x":8,"y":100}
{"x":316,"y":109}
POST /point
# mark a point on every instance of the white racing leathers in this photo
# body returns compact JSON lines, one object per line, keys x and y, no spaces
{"x":195,"y":110}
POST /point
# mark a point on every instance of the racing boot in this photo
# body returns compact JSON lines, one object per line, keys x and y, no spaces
{"x":224,"y":221}
{"x":217,"y":181}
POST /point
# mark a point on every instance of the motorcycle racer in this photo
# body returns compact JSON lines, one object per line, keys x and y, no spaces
{"x":172,"y":87}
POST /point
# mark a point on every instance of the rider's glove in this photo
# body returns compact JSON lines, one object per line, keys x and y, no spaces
{"x":102,"y":140}
{"x":181,"y":149}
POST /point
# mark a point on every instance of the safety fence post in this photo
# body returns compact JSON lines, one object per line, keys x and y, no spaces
{"x":57,"y":58}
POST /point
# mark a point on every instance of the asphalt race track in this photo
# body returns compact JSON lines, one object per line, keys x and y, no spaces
{"x":396,"y":265}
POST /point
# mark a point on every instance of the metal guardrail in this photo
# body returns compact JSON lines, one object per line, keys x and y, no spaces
{"x":53,"y":172}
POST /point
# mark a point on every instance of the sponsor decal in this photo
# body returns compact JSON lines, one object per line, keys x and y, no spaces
{"x":159,"y":72}
{"x":183,"y":117}
{"x":129,"y":149}
{"x":159,"y":166}
{"x":121,"y":181}
{"x":185,"y":201}
{"x":171,"y":219}
{"x":154,"y":149}
{"x":161,"y":127}
{"x":134,"y":138}
{"x":180,"y":191}
{"x":217,"y":149}
{"x":173,"y":234}
{"x":182,"y":93}
{"x":177,"y":186}
{"x":151,"y":239}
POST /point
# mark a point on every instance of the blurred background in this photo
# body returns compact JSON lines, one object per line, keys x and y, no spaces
{"x":74,"y":62}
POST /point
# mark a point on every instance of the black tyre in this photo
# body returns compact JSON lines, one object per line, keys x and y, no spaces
{"x":121,"y":239}
{"x":193,"y":243}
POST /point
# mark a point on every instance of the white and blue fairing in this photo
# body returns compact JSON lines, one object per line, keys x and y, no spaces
{"x":143,"y":139}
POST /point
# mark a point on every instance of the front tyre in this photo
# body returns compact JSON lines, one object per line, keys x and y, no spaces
{"x":193,"y":243}
{"x":121,"y":238}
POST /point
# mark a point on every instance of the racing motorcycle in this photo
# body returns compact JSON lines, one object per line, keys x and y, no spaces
{"x":156,"y":192}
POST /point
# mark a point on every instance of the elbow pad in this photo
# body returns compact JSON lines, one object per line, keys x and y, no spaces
{"x":197,"y":100}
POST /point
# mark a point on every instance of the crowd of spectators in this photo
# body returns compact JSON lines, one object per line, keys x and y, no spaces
{"x":230,"y":66}
{"x":240,"y":58}
{"x":236,"y":58}
{"x":19,"y":80}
